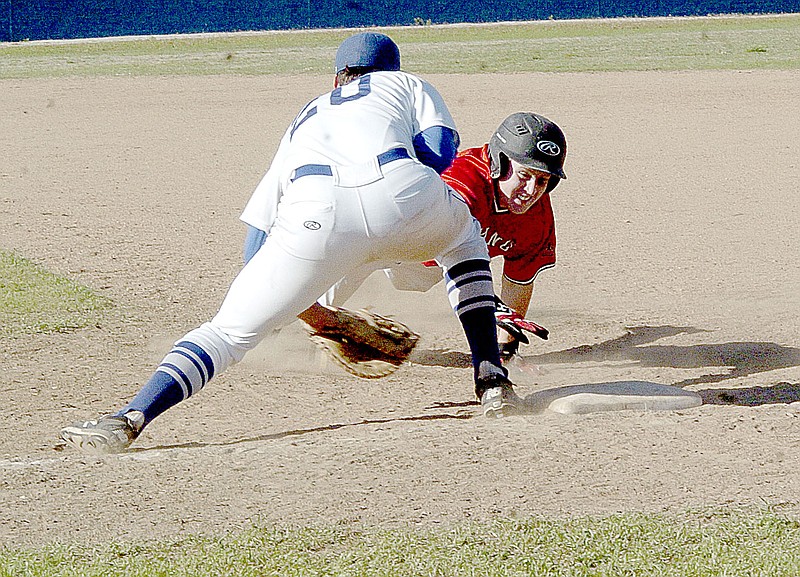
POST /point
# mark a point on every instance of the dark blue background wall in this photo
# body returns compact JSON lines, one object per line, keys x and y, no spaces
{"x":57,"y":19}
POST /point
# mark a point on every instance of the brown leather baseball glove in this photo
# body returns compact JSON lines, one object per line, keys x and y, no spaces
{"x":365,"y":344}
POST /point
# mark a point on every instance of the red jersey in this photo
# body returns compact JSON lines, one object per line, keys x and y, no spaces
{"x":527,"y":242}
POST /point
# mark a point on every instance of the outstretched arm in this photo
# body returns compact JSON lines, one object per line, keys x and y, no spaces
{"x":516,"y":296}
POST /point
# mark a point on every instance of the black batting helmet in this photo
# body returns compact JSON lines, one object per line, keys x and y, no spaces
{"x":531,"y":140}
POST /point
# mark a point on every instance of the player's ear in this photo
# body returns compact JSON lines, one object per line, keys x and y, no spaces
{"x":340,"y":78}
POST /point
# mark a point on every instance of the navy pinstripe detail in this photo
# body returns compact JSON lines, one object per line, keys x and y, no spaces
{"x":468,"y":266}
{"x":481,"y":298}
{"x":181,"y":374}
{"x":203,"y":374}
{"x":200,"y":352}
{"x":489,"y":303}
{"x":458,"y":283}
{"x":468,"y":276}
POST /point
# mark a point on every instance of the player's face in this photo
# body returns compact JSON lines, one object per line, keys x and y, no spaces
{"x":524,"y":187}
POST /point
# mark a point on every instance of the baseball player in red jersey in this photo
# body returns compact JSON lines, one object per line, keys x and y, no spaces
{"x":506,"y":184}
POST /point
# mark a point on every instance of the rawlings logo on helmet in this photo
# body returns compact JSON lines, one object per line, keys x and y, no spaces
{"x":548,"y":147}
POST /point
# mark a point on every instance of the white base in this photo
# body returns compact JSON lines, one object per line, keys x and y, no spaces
{"x":615,"y":396}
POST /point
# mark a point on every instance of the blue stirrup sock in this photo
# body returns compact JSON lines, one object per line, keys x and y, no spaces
{"x":183,"y":372}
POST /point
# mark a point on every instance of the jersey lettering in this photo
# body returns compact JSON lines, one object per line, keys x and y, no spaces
{"x":492,"y":240}
{"x":335,"y":99}
{"x":301,"y":118}
{"x":496,"y":240}
{"x":363,"y":90}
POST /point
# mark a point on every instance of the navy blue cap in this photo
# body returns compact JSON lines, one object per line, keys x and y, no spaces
{"x":368,"y":50}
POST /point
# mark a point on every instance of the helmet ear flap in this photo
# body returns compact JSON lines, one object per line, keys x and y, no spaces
{"x":494,"y":160}
{"x":505,"y":167}
{"x":500,"y":165}
{"x":552,"y":183}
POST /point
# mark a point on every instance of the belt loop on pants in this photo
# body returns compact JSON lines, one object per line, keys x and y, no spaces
{"x":325,"y":170}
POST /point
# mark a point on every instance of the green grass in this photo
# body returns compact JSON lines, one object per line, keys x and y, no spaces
{"x":740,"y":42}
{"x":33,"y":300}
{"x":707,"y":544}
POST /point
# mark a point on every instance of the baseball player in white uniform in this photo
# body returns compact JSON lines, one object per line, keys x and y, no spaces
{"x":354,"y":181}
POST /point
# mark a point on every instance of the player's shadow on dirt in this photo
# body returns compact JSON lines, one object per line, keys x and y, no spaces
{"x":307,"y":431}
{"x":753,"y":396}
{"x":734,"y":360}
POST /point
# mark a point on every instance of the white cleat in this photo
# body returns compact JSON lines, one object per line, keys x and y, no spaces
{"x":107,"y":435}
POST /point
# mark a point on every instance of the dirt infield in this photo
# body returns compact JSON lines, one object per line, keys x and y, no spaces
{"x":677,"y":264}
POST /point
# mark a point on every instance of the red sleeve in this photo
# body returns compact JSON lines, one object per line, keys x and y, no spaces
{"x":469,"y":176}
